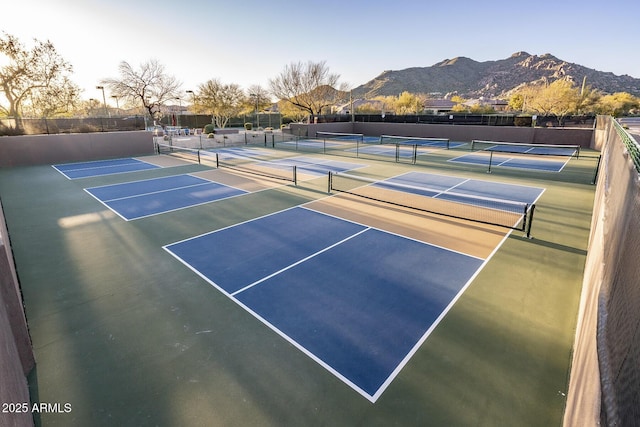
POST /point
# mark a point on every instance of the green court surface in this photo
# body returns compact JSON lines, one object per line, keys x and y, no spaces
{"x":129,"y":336}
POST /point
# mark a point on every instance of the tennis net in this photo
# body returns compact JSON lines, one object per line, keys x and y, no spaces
{"x":190,"y":154}
{"x":414,"y":140}
{"x":256,"y":167}
{"x":503,"y":213}
{"x":340,"y":136}
{"x":562,"y":150}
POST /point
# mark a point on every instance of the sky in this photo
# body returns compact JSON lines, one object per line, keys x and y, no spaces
{"x":248,"y":42}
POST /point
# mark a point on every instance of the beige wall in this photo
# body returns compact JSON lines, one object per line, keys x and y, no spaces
{"x":572,"y":136}
{"x":605,"y":374}
{"x":62,"y":148}
{"x":16,"y":356}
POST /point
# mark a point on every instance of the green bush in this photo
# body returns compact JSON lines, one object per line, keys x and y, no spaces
{"x":522,"y":121}
{"x":210,"y":128}
{"x":248,"y":126}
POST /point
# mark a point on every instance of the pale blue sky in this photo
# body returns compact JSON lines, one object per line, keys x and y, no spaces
{"x":248,"y":42}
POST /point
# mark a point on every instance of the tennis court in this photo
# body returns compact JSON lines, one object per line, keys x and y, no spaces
{"x":140,"y":199}
{"x":284,"y":304}
{"x":357,"y":300}
{"x":489,"y":159}
{"x":103,"y":167}
{"x":540,"y":157}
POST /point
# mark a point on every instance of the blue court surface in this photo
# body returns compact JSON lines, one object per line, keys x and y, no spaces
{"x":405,"y":151}
{"x":139,"y":199}
{"x":455,"y":188}
{"x":357,"y":300}
{"x":542,"y":150}
{"x":238,"y":152}
{"x":102,"y":167}
{"x":534,"y":162}
{"x":315,"y":166}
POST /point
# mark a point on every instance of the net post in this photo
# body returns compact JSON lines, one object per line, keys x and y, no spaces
{"x":448,"y":143}
{"x":578,"y":152}
{"x":490,"y":160}
{"x":329,"y":181}
{"x":532,"y":208}
{"x":217,"y":160}
{"x":415,"y":154}
{"x":295,"y":175}
{"x":198,"y":152}
{"x":397,"y":152}
{"x":595,"y":174}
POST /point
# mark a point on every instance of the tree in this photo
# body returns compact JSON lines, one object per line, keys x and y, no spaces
{"x":558,"y":98}
{"x":221,"y":101}
{"x":258,"y":98}
{"x":291,"y":112}
{"x":36,"y":75}
{"x":309,"y":87}
{"x":516,"y":102}
{"x":408,"y":103}
{"x":617,"y":104}
{"x":55,"y":100}
{"x":149,"y":86}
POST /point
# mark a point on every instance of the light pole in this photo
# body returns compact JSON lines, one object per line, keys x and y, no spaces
{"x":195,"y":117}
{"x":117,"y":103}
{"x":104,"y":100}
{"x":91,"y":101}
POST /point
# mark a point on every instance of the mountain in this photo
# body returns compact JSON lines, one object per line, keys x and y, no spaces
{"x":493,"y":79}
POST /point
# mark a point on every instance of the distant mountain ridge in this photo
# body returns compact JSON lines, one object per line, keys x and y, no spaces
{"x":492,"y":79}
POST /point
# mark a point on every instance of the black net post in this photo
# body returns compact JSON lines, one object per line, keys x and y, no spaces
{"x":217,"y":160}
{"x":595,"y":174}
{"x":490,"y":160}
{"x":532,"y":208}
{"x":329,"y":182}
{"x":295,"y":175}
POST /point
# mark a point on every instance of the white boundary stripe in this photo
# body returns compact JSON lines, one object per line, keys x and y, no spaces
{"x":244,"y":192}
{"x":282,"y":334}
{"x":108,"y":174}
{"x":257,"y":282}
{"x":387,"y":231}
{"x":160,"y":191}
{"x":433,"y":326}
{"x":502,"y":164}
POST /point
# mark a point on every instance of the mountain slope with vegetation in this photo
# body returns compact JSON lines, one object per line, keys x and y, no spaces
{"x":495,"y":79}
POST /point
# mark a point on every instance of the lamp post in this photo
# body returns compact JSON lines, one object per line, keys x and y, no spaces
{"x":117,"y":103}
{"x":193,"y":101}
{"x":104,"y":100}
